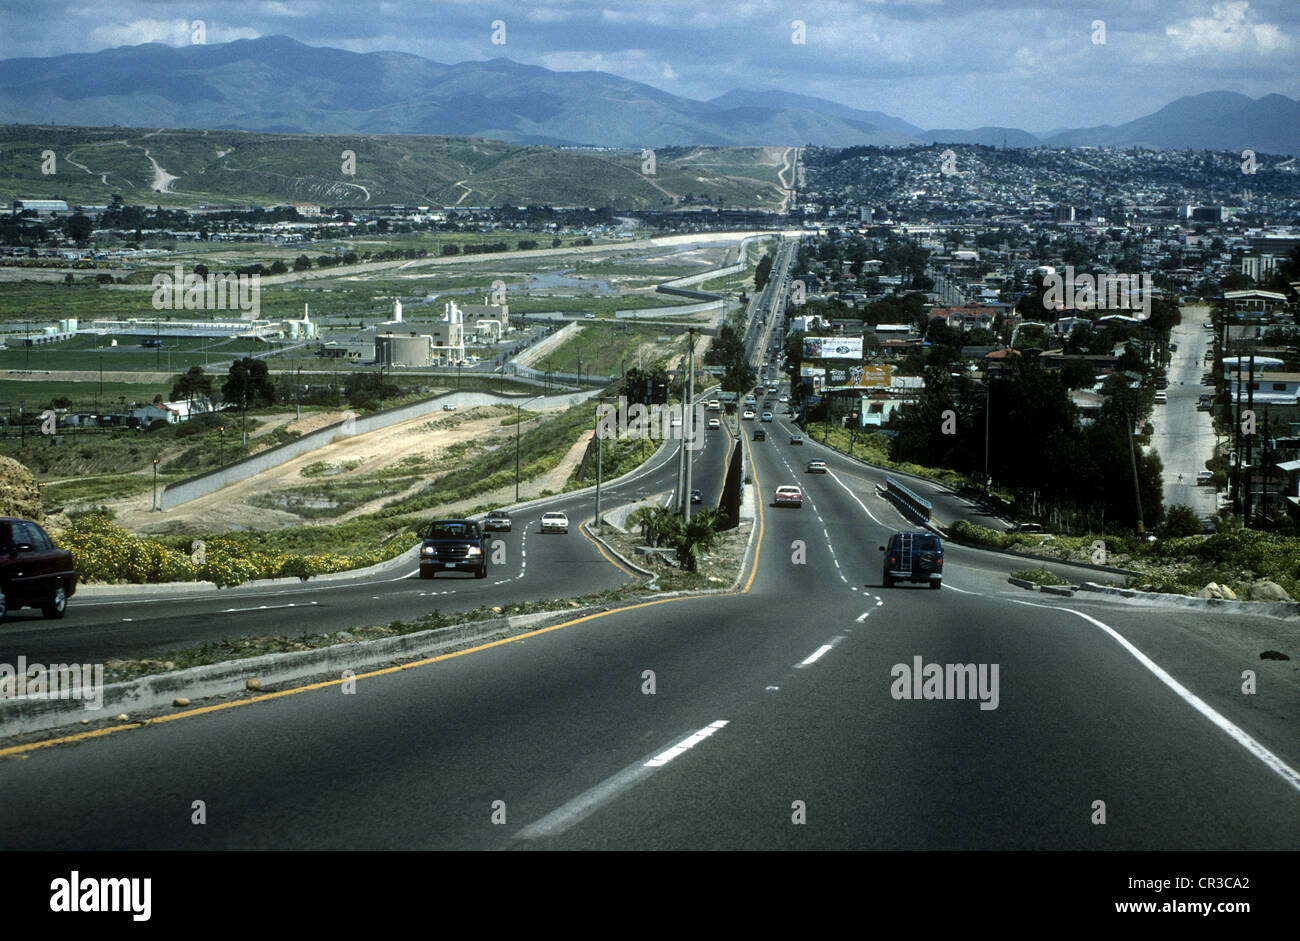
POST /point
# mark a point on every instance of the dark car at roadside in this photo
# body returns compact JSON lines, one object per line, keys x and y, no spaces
{"x":453,"y":545}
{"x":497,"y":521}
{"x":34,"y":572}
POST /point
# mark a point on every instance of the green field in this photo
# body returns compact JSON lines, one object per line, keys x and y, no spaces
{"x":605,"y":349}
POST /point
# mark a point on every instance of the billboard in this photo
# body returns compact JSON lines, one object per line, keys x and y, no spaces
{"x":832,"y":347}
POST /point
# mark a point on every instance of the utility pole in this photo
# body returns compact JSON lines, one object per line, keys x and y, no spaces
{"x":1137,"y":491}
{"x":688,"y":433}
{"x":600,"y":457}
{"x":1250,"y":441}
{"x":518,"y":411}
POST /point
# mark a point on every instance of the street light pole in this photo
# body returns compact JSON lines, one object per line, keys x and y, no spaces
{"x":155,"y":483}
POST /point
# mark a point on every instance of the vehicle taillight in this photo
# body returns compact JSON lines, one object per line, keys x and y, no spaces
{"x":893,"y":560}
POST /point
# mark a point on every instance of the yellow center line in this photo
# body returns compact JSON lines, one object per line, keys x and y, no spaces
{"x":266,"y":697}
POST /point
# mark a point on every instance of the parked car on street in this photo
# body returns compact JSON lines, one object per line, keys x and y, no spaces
{"x":34,"y":572}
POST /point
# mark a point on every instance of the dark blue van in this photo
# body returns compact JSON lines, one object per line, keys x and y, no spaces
{"x":913,"y":557}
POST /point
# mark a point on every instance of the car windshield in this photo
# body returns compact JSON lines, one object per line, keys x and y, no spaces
{"x":452,"y":530}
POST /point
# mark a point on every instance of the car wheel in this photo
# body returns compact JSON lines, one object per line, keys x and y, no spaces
{"x":934,"y":583}
{"x":58,"y":603}
{"x":887,"y":581}
{"x":426,"y":573}
{"x":481,"y":572}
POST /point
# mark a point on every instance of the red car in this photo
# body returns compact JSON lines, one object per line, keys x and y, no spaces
{"x":34,"y":573}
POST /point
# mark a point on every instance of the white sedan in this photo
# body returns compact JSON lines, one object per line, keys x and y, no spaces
{"x":554,"y":522}
{"x":748,"y":415}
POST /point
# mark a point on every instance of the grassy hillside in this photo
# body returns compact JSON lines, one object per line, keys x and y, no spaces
{"x":93,"y":164}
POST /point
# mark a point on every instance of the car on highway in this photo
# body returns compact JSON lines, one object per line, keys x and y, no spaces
{"x":34,"y":572}
{"x":496,"y":521}
{"x":796,"y":439}
{"x":448,"y":407}
{"x":788,"y":496}
{"x":767,"y":416}
{"x":715,"y":405}
{"x":555,"y":522}
{"x":817,"y":467}
{"x":1162,"y":398}
{"x":913,"y":556}
{"x":748,"y":414}
{"x":697,"y":495}
{"x":760,"y":434}
{"x":783,"y":399}
{"x":455,"y":545}
{"x":714,"y":424}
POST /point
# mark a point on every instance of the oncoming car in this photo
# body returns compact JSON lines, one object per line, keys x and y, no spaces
{"x":555,"y":522}
{"x":748,"y":414}
{"x":455,"y":544}
{"x":497,"y":520}
{"x":34,"y":573}
{"x":788,"y":496}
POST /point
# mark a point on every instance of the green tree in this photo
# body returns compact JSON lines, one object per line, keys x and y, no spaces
{"x":192,"y":384}
{"x":248,"y":384}
{"x":762,"y":272}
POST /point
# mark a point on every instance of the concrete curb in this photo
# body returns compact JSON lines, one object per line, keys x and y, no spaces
{"x":1042,"y":559}
{"x":1271,"y":609}
{"x":586,"y":528}
{"x":19,"y":716}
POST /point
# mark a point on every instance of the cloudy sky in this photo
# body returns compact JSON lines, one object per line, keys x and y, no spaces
{"x":1038,"y":65}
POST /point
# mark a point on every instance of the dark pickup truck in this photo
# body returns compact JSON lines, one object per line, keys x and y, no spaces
{"x":458,"y":545}
{"x":34,"y":573}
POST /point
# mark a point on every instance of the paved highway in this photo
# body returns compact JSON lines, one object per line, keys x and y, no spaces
{"x":772,"y":705}
{"x":98,"y":629}
{"x":779,"y":716}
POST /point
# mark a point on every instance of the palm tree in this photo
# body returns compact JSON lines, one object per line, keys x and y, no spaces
{"x":696,"y":535}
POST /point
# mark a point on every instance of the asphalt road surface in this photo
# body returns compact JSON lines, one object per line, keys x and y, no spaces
{"x":775,"y":722}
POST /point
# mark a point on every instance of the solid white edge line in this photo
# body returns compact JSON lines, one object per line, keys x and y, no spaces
{"x":1235,"y":732}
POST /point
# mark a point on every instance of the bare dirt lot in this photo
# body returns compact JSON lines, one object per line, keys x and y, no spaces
{"x":433,"y":438}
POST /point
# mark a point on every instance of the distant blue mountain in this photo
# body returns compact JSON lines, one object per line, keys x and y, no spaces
{"x":278,"y":84}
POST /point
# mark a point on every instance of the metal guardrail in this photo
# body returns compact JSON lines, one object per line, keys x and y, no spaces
{"x":907,"y":500}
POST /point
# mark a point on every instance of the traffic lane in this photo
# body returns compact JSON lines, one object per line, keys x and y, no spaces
{"x":1210,"y":652}
{"x":532,"y":723}
{"x":144,"y":627}
{"x":1212,"y":668}
{"x":531,"y":567}
{"x":948,"y":506}
{"x":1077,"y":721}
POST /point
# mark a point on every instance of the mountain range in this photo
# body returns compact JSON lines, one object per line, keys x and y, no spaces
{"x":279,"y":85}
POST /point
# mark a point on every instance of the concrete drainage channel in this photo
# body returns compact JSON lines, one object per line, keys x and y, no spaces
{"x":38,"y":711}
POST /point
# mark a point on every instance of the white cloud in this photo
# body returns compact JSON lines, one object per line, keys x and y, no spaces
{"x":171,"y":32}
{"x":1231,"y":28}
